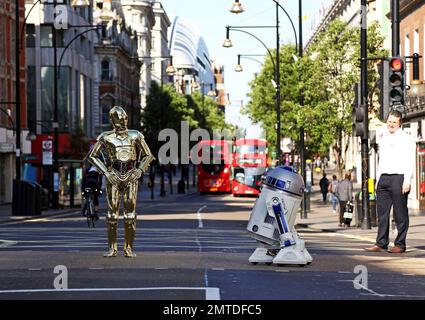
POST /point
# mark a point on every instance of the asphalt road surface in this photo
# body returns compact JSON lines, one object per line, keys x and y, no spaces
{"x":195,"y":248}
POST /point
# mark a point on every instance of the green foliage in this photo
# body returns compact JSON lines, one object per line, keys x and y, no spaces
{"x":325,"y":76}
{"x":165,"y":108}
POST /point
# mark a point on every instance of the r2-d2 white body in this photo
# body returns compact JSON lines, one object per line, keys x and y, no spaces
{"x":273,"y":218}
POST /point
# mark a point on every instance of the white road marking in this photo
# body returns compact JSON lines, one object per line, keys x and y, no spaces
{"x":381,"y":295}
{"x":7,"y":243}
{"x":198,"y":214}
{"x":210,"y":293}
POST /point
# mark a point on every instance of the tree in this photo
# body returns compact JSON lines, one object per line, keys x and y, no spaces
{"x":206,"y":112}
{"x":166,"y":108}
{"x":261,"y":109}
{"x":329,"y":70}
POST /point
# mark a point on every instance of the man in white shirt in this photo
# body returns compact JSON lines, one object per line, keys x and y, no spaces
{"x":395,"y":172}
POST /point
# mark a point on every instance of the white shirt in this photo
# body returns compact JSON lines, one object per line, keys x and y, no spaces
{"x":396,"y":154}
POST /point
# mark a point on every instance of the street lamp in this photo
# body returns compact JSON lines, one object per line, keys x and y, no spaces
{"x":80,"y":3}
{"x":55,"y":190}
{"x":228,"y":43}
{"x":106,"y":16}
{"x":239,"y":68}
{"x":236,"y":7}
{"x":17,"y":95}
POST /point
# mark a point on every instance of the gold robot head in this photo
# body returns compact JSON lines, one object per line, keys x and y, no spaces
{"x":118,"y":118}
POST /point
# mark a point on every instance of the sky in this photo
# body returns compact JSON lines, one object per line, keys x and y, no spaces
{"x":211,"y":18}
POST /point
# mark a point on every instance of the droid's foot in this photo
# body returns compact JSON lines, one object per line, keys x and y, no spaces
{"x":111,"y":253}
{"x":128,"y":253}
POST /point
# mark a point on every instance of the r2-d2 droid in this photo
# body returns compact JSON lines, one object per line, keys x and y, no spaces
{"x":273,"y":218}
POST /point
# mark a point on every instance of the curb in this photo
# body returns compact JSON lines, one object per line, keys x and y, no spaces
{"x":13,"y":219}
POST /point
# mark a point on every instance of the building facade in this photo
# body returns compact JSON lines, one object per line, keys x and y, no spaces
{"x":140,"y":15}
{"x":190,"y":57}
{"x":160,"y":52}
{"x":71,"y":34}
{"x":8,"y":94}
{"x":412,"y":40}
{"x":117,"y":72}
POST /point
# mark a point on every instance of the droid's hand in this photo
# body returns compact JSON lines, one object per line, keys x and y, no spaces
{"x":136,"y":174}
{"x":113,"y":179}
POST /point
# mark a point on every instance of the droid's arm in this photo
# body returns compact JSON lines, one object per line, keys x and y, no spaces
{"x":94,"y":156}
{"x":276,"y":209}
{"x":145,"y":155}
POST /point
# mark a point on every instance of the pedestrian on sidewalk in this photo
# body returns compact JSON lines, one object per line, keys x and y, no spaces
{"x":344,"y":193}
{"x":395,"y":172}
{"x":332,"y":189}
{"x":324,"y":186}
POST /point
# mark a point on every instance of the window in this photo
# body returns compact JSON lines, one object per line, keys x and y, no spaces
{"x":82,"y":100}
{"x":31,"y":98}
{"x":47,"y":98}
{"x":407,"y":53}
{"x":30,"y":35}
{"x":106,"y":105}
{"x":2,"y":41}
{"x":106,"y":74}
{"x":46,"y":36}
{"x":416,"y":41}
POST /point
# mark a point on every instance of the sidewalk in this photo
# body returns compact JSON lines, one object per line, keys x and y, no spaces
{"x":321,"y":218}
{"x":144,"y":195}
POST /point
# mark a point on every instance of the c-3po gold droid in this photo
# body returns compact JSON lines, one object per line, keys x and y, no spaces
{"x":122,"y":155}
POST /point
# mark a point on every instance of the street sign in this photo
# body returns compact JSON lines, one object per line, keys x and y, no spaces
{"x":47,"y":147}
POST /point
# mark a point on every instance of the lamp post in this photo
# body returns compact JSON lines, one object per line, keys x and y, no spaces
{"x":239,"y":68}
{"x":55,"y":124}
{"x":56,"y":71}
{"x":228,"y":43}
{"x":17,"y":94}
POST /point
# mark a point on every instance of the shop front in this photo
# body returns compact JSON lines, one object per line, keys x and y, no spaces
{"x":38,"y":167}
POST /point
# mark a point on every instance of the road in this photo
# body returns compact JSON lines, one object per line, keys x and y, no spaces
{"x":194,"y":248}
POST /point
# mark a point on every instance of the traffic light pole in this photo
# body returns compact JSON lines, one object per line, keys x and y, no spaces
{"x":395,"y":27}
{"x":364,"y":104}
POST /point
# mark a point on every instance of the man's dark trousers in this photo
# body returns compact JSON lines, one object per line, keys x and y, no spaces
{"x":389,"y":192}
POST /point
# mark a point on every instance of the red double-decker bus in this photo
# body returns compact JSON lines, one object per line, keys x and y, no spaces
{"x":214,"y":171}
{"x":249,"y":164}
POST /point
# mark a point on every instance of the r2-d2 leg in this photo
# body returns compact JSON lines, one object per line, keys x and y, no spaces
{"x":263,"y":255}
{"x":293,"y":249}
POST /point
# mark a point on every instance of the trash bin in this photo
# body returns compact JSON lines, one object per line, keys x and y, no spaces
{"x":44,"y":197}
{"x":359,"y":209}
{"x":26,"y":198}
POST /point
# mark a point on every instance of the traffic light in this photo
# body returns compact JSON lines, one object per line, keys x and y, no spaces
{"x":392,"y":86}
{"x":396,"y":79}
{"x":359,"y":115}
